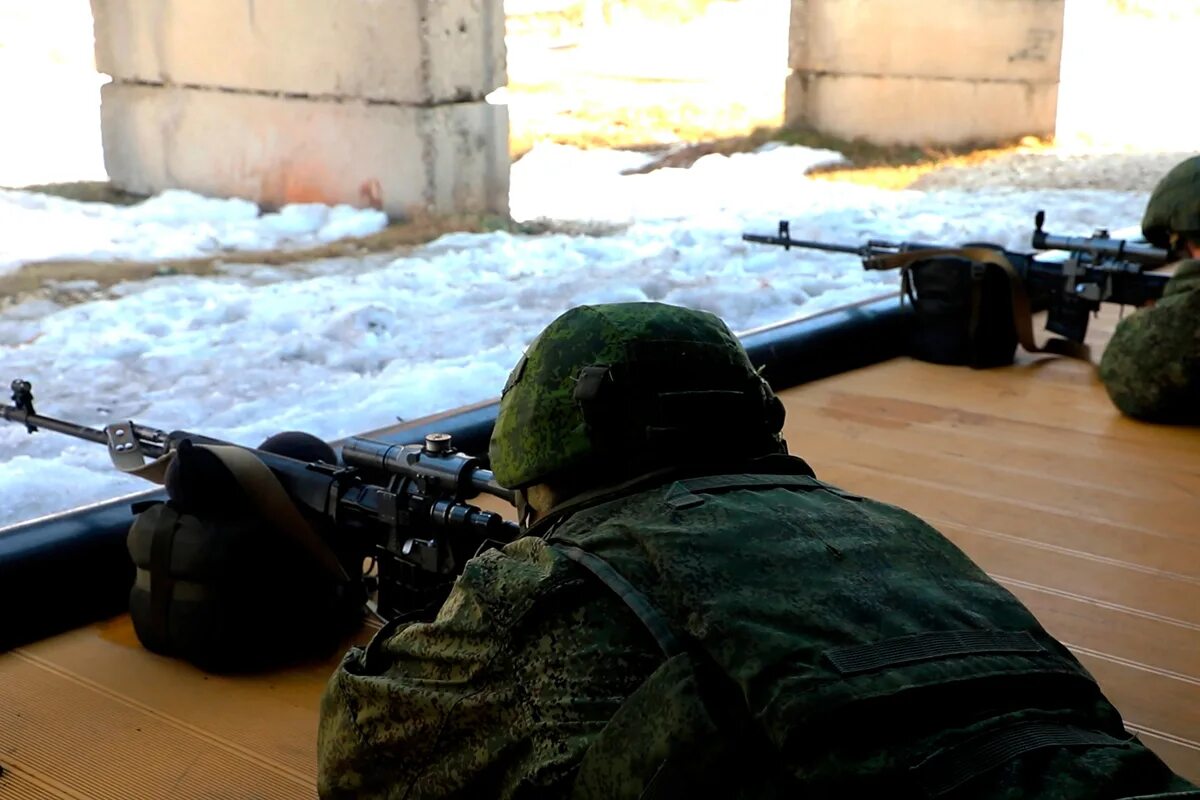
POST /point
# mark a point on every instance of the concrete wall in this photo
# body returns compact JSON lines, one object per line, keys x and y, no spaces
{"x":367,"y":102}
{"x":905,"y":72}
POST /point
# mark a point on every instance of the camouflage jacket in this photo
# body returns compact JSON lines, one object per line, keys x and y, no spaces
{"x":754,"y":635}
{"x":1151,"y":367}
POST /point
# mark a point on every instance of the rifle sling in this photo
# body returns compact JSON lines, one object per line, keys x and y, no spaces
{"x":265,"y":490}
{"x":1022,"y":311}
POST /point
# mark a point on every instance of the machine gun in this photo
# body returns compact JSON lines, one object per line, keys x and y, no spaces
{"x":404,"y":506}
{"x":1098,"y":269}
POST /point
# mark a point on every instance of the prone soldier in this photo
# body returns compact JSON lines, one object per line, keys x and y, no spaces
{"x":1151,"y":367}
{"x":692,"y":612}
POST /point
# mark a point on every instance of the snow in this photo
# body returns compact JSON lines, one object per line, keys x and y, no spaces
{"x":174,"y":224}
{"x":344,"y":345}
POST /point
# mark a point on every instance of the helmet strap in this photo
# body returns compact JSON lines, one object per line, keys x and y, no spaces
{"x":524,"y":510}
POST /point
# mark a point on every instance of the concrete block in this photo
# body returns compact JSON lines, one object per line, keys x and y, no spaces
{"x":984,"y":39}
{"x":276,"y":150}
{"x":400,"y":51}
{"x":893,"y":110}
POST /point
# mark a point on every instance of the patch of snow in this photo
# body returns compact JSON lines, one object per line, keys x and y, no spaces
{"x":173,"y":224}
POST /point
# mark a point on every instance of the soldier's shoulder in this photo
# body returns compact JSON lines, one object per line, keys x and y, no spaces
{"x":508,"y":579}
{"x":1185,"y":278}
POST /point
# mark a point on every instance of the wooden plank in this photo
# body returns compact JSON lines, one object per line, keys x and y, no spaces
{"x":17,"y":783}
{"x":120,"y":749}
{"x":1150,"y":700}
{"x":948,"y":421}
{"x":1118,"y":631}
{"x":982,"y":477}
{"x":1053,"y":529}
{"x":140,"y":725}
{"x":111,"y":662}
{"x":991,"y":393}
{"x":1180,"y":755}
{"x":1066,"y":457}
{"x":1166,"y":596}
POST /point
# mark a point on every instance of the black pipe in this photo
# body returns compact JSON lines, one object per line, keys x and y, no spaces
{"x":72,"y":568}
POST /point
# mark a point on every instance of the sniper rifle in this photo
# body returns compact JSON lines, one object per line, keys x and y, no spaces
{"x":1098,"y":269}
{"x":404,"y":506}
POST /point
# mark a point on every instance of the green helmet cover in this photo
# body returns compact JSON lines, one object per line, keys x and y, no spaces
{"x":1174,"y":204}
{"x":616,"y":385}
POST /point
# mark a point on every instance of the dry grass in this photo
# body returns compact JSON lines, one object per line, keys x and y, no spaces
{"x":882,"y":166}
{"x":902,"y":171}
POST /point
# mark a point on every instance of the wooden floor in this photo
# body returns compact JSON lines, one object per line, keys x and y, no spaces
{"x":1088,"y":518}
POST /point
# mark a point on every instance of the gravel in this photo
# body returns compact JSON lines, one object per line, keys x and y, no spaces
{"x":1130,"y":172}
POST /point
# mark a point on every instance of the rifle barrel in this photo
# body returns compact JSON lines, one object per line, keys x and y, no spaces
{"x":787,"y":242}
{"x":23,"y":417}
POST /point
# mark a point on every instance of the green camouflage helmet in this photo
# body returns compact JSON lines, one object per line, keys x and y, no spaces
{"x":1174,"y":204}
{"x":614,"y":386}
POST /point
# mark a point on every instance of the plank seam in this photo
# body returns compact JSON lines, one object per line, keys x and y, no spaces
{"x":1138,"y":665}
{"x":179,"y":724}
{"x":1068,"y":551}
{"x":1136,"y":612}
{"x":1190,"y":744}
{"x":42,"y":781}
{"x":1040,"y":509}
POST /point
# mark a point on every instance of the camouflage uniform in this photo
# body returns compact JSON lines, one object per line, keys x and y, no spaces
{"x":1151,"y":367}
{"x":841,"y":623}
{"x":734,"y":628}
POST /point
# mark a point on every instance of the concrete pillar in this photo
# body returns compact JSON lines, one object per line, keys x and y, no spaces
{"x":905,"y":72}
{"x":367,"y":102}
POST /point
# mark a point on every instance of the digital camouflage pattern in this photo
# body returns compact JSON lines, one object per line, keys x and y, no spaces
{"x":1174,"y":205}
{"x":541,"y":429}
{"x":1151,"y":366}
{"x":836,"y":644}
{"x":498,"y":697}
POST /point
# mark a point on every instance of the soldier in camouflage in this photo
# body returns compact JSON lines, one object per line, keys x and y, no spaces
{"x":1151,"y":367}
{"x":699,"y":616}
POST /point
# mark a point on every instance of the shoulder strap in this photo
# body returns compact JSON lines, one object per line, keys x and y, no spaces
{"x":274,"y":505}
{"x":1022,"y":312}
{"x":650,"y":616}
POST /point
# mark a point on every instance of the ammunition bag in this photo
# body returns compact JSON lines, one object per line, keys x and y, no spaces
{"x":964,"y":312}
{"x":971,"y":307}
{"x":231,"y":593}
